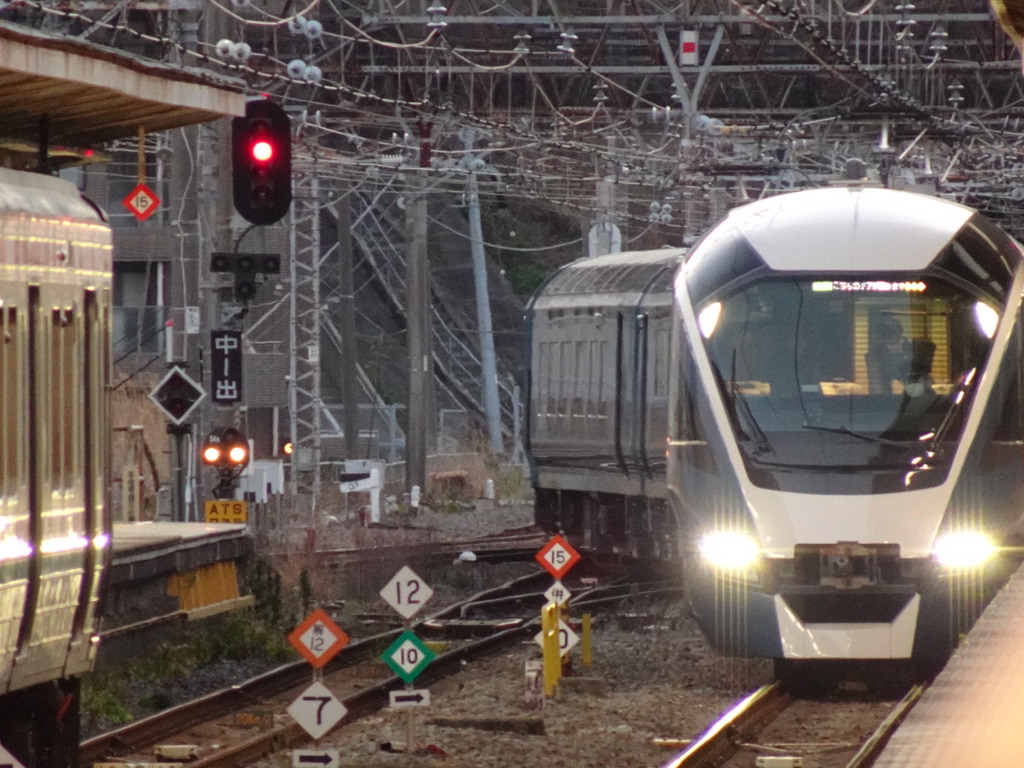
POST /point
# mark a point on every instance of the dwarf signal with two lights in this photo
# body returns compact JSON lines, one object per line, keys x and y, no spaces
{"x":227,"y":451}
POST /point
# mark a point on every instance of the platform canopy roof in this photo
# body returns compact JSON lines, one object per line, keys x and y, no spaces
{"x":91,"y":94}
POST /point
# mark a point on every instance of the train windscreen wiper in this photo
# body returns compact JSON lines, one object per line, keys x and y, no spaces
{"x":859,"y":435}
{"x":741,"y":407}
{"x":737,"y":407}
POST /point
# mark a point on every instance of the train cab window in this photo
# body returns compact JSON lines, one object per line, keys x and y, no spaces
{"x":873,"y":376}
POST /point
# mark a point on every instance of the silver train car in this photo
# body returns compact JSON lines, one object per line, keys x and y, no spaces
{"x":845,"y":425}
{"x":600,"y":353}
{"x":55,"y":528}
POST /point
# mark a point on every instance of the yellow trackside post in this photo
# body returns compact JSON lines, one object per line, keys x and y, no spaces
{"x":552,"y":651}
{"x":587,"y":646}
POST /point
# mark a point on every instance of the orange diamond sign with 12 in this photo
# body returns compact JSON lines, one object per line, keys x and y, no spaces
{"x":318,"y":638}
{"x":557,"y":556}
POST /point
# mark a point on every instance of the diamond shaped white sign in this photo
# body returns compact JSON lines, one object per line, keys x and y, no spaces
{"x":567,"y":639}
{"x":558,"y":594}
{"x":406,"y":592}
{"x":317,"y":710}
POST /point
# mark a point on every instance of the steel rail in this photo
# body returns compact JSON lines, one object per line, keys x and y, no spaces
{"x":149,"y":730}
{"x":876,"y":742}
{"x":737,"y":725}
{"x":144,"y":733}
{"x":360,"y":704}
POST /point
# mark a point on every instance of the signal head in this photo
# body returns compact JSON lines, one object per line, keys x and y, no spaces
{"x":227,"y":450}
{"x":261,"y":162}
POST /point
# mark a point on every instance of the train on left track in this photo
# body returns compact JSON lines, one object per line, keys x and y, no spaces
{"x":817,"y":411}
{"x":55,"y":525}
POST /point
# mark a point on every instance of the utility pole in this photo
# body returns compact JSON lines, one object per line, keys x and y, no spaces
{"x":347,"y":310}
{"x":421,"y":362}
{"x":184,"y":187}
{"x":488,"y":362}
{"x":217,"y":27}
{"x":304,"y":395}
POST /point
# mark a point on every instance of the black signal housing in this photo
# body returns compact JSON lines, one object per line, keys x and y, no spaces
{"x":261,"y":157}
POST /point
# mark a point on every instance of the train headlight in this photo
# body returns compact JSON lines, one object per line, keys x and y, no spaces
{"x":729,"y":550}
{"x":963,"y":550}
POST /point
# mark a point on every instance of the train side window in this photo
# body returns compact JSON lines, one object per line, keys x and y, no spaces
{"x":659,"y":381}
{"x":685,"y":421}
{"x":542,"y":377}
{"x":64,"y":390}
{"x":567,"y":379}
{"x":1011,"y":424}
{"x":10,"y":380}
{"x":551,"y":375}
{"x":582,"y":382}
{"x":594,"y":385}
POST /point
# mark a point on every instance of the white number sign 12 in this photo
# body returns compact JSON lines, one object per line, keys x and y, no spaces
{"x":406,"y":592}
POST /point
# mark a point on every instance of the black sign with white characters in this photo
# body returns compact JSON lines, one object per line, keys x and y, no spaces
{"x":226,"y":366}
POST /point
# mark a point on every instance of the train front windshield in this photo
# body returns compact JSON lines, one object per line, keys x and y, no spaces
{"x":836,"y":385}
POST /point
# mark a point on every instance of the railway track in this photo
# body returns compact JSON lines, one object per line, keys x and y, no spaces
{"x":357,"y":662}
{"x":733,"y":739}
{"x":738,"y":729}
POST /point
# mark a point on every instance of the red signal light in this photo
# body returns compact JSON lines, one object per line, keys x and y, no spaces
{"x":262,"y":151}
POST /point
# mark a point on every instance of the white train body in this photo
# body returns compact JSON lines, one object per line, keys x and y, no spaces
{"x":847,"y":422}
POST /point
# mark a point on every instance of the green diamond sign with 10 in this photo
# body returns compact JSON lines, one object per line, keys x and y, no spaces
{"x":408,"y":656}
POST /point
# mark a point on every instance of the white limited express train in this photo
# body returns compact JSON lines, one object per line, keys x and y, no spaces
{"x":841,"y":373}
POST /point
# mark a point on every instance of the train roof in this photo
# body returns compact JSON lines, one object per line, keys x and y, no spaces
{"x":627,"y":272}
{"x":45,"y":196}
{"x":845,"y":228}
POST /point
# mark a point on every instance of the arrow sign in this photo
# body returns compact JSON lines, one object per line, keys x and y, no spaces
{"x":417,"y":698}
{"x":321,"y":758}
{"x":7,"y":760}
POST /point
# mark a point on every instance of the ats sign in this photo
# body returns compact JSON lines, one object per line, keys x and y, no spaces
{"x":226,"y":365}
